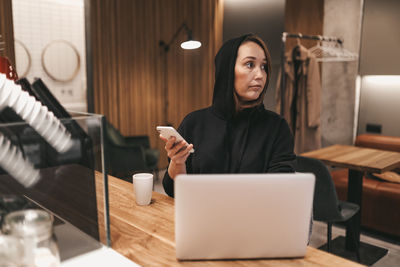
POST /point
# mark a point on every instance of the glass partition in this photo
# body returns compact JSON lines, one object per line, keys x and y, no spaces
{"x":71,"y":184}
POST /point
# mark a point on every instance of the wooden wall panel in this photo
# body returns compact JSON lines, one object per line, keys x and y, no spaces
{"x":7,"y":30}
{"x":306,"y":17}
{"x":128,"y":63}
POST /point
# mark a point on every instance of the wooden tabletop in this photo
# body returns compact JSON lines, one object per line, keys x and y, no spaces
{"x":357,"y":158}
{"x":145,"y":234}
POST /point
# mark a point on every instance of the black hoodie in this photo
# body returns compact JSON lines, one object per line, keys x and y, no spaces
{"x":253,"y":140}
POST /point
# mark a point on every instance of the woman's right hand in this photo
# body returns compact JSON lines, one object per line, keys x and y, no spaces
{"x":178,"y":153}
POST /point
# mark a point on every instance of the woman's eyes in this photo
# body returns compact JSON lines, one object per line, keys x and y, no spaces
{"x":251,"y":65}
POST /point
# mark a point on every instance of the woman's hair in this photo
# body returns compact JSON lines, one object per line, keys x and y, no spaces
{"x":254,"y":38}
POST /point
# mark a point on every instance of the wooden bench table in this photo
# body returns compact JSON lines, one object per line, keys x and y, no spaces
{"x":357,"y":160}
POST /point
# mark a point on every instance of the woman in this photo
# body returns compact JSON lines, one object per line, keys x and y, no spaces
{"x":236,"y":134}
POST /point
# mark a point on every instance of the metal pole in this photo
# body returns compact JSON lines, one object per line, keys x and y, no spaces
{"x":283,"y":88}
{"x":166,"y":101}
{"x":104,"y":162}
{"x":89,"y":59}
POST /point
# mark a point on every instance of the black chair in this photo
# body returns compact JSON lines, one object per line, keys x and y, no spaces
{"x":128,"y":155}
{"x":327,"y":208}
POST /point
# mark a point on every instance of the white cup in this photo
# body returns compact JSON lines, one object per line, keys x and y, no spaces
{"x":143,"y":186}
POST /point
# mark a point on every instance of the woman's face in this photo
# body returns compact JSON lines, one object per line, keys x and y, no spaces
{"x":250,"y":71}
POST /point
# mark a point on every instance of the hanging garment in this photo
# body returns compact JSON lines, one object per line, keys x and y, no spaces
{"x":302,"y":98}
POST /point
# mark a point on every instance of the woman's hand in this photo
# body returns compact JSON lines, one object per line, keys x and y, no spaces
{"x":178,"y":153}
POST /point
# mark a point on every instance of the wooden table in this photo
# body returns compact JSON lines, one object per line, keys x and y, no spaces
{"x":145,"y":234}
{"x":358,"y":160}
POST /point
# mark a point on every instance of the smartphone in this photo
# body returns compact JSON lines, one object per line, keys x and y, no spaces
{"x":168,"y":131}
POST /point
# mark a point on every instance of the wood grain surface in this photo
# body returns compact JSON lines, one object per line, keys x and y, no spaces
{"x":357,"y":158}
{"x":128,"y":66}
{"x":306,"y":18}
{"x":145,"y":234}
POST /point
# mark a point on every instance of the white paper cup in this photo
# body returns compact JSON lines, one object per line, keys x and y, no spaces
{"x":143,"y":186}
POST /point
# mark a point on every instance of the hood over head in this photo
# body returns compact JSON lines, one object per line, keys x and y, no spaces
{"x":225,"y":60}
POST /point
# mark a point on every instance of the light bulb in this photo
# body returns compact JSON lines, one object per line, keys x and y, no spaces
{"x":190,"y":44}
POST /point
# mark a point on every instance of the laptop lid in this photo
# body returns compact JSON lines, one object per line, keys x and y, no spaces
{"x":237,"y":216}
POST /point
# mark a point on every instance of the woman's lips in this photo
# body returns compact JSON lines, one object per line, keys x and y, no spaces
{"x":255,"y":87}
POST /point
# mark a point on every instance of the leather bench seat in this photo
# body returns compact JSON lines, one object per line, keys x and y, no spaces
{"x":380,"y":199}
{"x":380,"y":202}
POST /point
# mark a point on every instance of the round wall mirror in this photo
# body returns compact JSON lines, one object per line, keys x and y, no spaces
{"x":61,"y":60}
{"x":22,"y":58}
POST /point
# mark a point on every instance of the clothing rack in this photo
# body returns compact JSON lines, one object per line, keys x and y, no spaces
{"x":286,"y":35}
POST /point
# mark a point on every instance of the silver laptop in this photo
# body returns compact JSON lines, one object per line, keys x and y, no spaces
{"x":242,"y":216}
